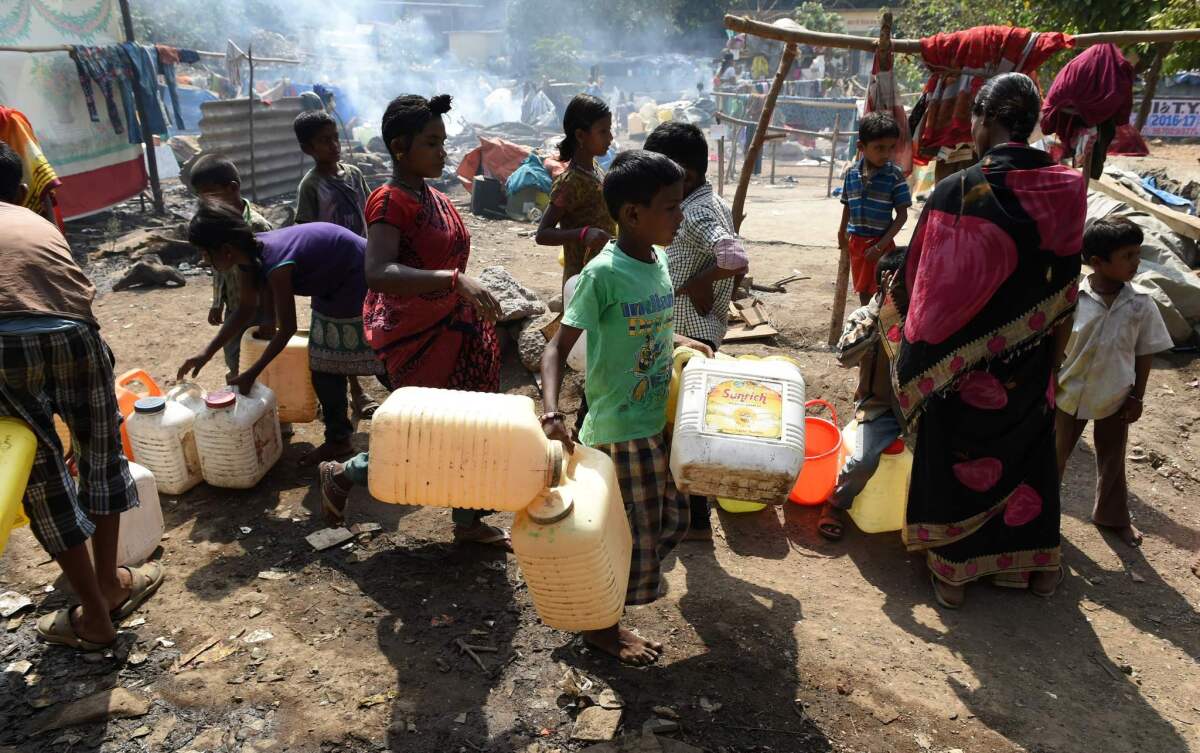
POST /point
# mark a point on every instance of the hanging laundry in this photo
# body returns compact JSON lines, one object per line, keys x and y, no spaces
{"x":882,"y":96}
{"x":106,"y":67}
{"x":233,"y":66}
{"x":961,"y":62}
{"x":144,"y":76}
{"x":38,"y":175}
{"x":189,"y":57}
{"x":168,"y":58}
{"x":1095,"y":90}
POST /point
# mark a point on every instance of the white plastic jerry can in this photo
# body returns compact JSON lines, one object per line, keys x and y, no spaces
{"x":163,"y":438}
{"x":448,"y":448}
{"x":288,"y":375}
{"x":238,"y":437}
{"x":739,"y":428}
{"x":141,"y":526}
{"x":574,"y":547}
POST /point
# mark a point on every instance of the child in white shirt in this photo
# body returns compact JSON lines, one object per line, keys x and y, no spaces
{"x":1117,"y":331}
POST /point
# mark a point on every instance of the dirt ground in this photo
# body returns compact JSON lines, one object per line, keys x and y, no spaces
{"x":777,"y":640}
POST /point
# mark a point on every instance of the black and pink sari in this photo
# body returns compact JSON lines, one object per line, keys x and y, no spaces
{"x":992,"y":269}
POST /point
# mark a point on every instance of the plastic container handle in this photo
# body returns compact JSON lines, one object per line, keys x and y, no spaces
{"x":140,"y":375}
{"x":682,"y":355}
{"x":819,"y":401}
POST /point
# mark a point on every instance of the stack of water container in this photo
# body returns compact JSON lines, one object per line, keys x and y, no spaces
{"x":571,"y":538}
{"x":224,"y":438}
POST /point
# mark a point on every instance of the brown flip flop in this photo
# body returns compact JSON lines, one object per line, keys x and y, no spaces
{"x":144,"y":581}
{"x":56,"y":628}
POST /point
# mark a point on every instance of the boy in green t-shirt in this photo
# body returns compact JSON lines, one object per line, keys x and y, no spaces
{"x":625,"y":301}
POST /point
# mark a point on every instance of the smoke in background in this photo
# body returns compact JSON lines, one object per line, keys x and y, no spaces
{"x":372,"y":51}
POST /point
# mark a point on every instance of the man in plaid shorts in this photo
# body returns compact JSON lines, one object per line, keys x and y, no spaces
{"x":705,"y":259}
{"x":625,"y":301}
{"x":53,"y":361}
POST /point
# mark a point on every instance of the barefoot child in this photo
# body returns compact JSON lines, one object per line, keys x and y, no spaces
{"x":875,"y":201}
{"x":625,"y":302}
{"x":1117,"y":331}
{"x":705,"y":258}
{"x":577,"y":218}
{"x":216,"y":177}
{"x":875,"y":409}
{"x":336,"y":193}
{"x":53,"y":361}
{"x":320,"y":260}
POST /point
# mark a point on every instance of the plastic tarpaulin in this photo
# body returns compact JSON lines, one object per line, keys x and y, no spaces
{"x":494,"y":158}
{"x":530,"y":173}
{"x":98,"y":167}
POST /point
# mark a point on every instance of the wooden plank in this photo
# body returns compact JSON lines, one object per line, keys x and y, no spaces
{"x":744,"y":332}
{"x":1181,"y":223}
{"x":913,"y":46}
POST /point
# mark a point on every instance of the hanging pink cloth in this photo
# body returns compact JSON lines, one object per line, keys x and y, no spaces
{"x":882,"y":96}
{"x":1094,"y":87}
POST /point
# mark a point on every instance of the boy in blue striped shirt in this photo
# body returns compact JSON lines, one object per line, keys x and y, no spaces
{"x":875,"y":201}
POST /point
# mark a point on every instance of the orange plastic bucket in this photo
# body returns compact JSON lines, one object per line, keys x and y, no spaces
{"x":822,"y":458}
{"x":127,"y":397}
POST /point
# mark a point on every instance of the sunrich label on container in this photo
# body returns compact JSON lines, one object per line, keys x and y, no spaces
{"x":743,"y":407}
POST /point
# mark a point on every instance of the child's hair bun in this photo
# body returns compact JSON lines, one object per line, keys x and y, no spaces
{"x":440,"y":105}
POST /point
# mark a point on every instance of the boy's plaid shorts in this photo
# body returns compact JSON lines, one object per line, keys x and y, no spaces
{"x":658,"y":514}
{"x":68,"y":372}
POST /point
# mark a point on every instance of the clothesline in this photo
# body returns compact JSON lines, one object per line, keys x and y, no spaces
{"x":201,"y":53}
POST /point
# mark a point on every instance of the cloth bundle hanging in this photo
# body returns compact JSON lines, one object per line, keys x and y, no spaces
{"x":122,"y":68}
{"x":961,"y":62}
{"x":38,"y":175}
{"x":168,"y":58}
{"x":1095,"y":90}
{"x":882,"y":96}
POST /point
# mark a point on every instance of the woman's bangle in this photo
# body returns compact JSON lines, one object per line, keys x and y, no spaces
{"x":583,"y":232}
{"x":554,"y":415}
{"x":454,"y":280}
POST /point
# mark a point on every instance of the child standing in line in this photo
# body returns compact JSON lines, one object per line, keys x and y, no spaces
{"x":875,"y":406}
{"x":336,"y":193}
{"x":625,"y":302}
{"x":216,"y":177}
{"x":1116,"y":333}
{"x":704,"y":259}
{"x":577,"y":218}
{"x":875,"y":199}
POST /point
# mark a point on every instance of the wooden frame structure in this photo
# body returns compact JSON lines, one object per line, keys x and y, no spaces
{"x":794,"y":37}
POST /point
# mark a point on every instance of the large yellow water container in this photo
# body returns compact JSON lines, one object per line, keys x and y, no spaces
{"x":288,"y":375}
{"x":880,"y":507}
{"x":448,"y":448}
{"x":574,"y":547}
{"x":18,"y":445}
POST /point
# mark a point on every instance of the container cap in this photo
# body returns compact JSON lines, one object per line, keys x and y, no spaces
{"x":220,"y":399}
{"x":150,"y":405}
{"x":552,"y":508}
{"x":895,"y":448}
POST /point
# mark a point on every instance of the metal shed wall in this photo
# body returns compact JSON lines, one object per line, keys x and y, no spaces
{"x":279,"y":163}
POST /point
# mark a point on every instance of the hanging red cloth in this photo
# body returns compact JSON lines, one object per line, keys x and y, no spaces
{"x":1094,"y":87}
{"x":960,"y":63}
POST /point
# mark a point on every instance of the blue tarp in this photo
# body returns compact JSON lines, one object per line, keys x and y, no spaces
{"x":1168,"y":198}
{"x":190,"y":99}
{"x":531,"y":172}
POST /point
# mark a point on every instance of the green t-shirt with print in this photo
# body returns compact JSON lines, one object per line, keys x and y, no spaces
{"x":626,"y":307}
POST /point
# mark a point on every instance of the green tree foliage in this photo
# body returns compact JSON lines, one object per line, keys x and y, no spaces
{"x":556,"y":57}
{"x":816,"y":17}
{"x":1180,"y":14}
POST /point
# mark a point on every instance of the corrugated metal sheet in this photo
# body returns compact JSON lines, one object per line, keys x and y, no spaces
{"x":279,"y":163}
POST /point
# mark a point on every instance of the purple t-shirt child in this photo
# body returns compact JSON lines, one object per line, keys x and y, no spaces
{"x":328,"y":265}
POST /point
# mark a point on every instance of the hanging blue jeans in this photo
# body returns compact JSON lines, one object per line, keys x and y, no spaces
{"x":106,"y":66}
{"x":145,"y":78}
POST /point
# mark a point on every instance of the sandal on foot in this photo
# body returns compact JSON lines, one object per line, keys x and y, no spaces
{"x":333,"y":494}
{"x":1050,"y":591}
{"x":830,"y":525}
{"x":144,"y":580}
{"x":366,"y":407}
{"x":484,"y":534}
{"x":322,"y":454}
{"x":56,"y":628}
{"x":940,"y":596}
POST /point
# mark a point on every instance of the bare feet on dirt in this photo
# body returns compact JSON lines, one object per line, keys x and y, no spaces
{"x":625,"y":645}
{"x":1129,"y":534}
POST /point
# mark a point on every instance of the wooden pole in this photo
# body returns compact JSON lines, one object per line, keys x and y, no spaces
{"x":721,"y":166}
{"x":839,"y":298}
{"x":250,"y":97}
{"x":774,"y":144}
{"x":147,"y":137}
{"x":764,"y":121}
{"x":837,"y":127}
{"x":731,"y":170}
{"x":913,"y":46}
{"x":1160,"y":53}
